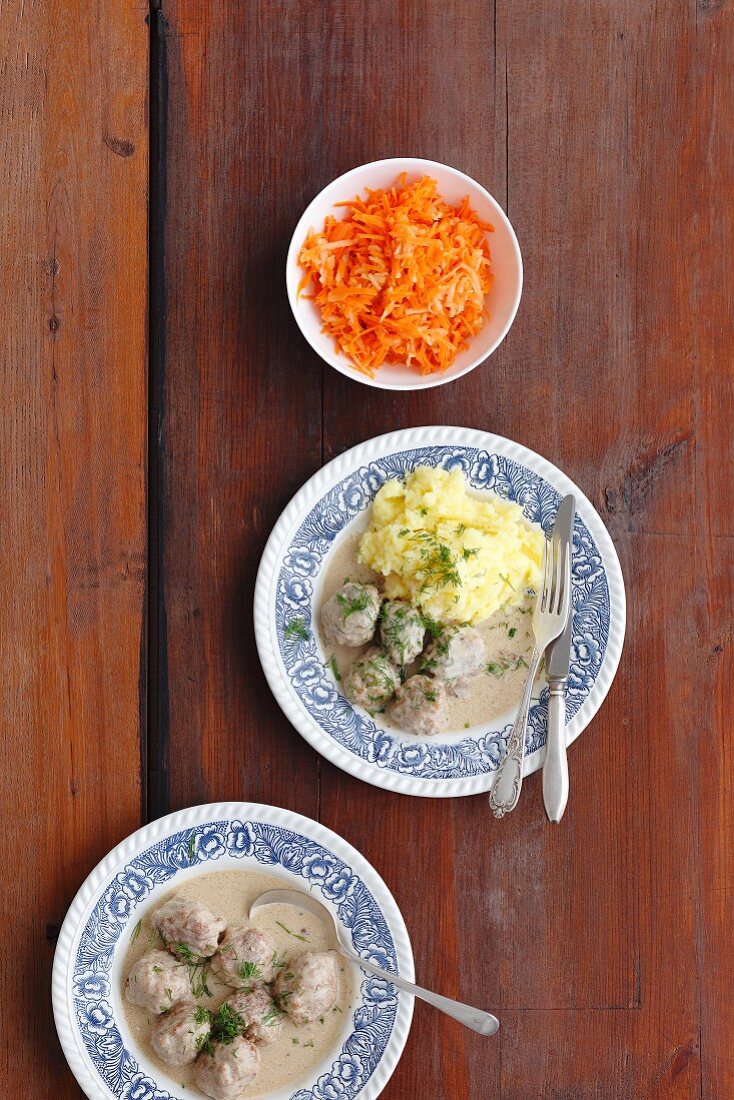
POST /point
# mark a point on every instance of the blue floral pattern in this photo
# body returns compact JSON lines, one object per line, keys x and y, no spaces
{"x":270,"y":845}
{"x":357,"y":732}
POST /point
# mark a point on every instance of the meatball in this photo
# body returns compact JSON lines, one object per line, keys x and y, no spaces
{"x":245,"y":958}
{"x":157,"y":981}
{"x":455,"y":655}
{"x":188,"y":928}
{"x":419,"y":705}
{"x":306,"y":987}
{"x":349,"y":617}
{"x":178,"y":1036}
{"x":261,"y":1016}
{"x":225,"y":1073}
{"x":371,"y":681}
{"x":402,"y":632}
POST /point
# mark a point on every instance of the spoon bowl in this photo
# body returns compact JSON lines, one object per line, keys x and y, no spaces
{"x":475,"y":1018}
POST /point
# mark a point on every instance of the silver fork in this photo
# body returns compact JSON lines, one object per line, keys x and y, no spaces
{"x":549,"y":619}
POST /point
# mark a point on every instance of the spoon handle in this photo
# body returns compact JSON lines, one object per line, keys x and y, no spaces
{"x":483,"y":1022}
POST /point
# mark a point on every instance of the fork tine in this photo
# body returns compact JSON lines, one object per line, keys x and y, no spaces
{"x":558,"y":586}
{"x":544,"y":592}
{"x":566,"y":597}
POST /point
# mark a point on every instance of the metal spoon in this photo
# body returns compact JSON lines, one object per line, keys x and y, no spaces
{"x":483,"y":1022}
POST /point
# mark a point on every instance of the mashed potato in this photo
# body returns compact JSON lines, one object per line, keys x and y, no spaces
{"x":456,"y":556}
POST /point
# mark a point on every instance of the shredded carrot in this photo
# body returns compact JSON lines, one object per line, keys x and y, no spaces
{"x":401,"y":279}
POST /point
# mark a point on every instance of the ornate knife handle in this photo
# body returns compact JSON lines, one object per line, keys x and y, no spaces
{"x":555,"y":768}
{"x":507,"y":782}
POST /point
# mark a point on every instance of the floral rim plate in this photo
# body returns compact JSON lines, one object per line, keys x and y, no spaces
{"x":333,"y":503}
{"x":85,"y":989}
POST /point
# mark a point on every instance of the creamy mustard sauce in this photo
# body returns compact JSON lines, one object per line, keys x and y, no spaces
{"x":493,"y":694}
{"x":228,"y":894}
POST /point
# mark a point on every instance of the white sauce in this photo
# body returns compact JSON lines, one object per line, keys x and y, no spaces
{"x":229,"y":894}
{"x":507,"y":635}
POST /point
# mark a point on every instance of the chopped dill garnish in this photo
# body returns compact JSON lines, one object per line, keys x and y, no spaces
{"x":499,"y":668}
{"x":202,"y":1015}
{"x":157,"y":969}
{"x":136,"y":931}
{"x":433,"y":627}
{"x":277,"y":962}
{"x":469,"y":552}
{"x":331,"y":663}
{"x":297,"y":628}
{"x":512,"y":632}
{"x":440,"y":563}
{"x":460,"y":530}
{"x":309,"y":1043}
{"x":186,"y":955}
{"x":296,"y":936}
{"x":357,"y":603}
{"x":423,"y":510}
{"x":226,"y":1024}
{"x":248,"y":971}
{"x":506,"y":579}
{"x":271,"y":1016}
{"x":336,"y":1008}
{"x":197,"y":969}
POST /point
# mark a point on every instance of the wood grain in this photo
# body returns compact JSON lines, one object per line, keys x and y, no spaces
{"x":73,"y":162}
{"x":603,"y":131}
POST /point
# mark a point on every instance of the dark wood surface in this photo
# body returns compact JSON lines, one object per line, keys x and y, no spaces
{"x":73,"y":406}
{"x":130,"y":681}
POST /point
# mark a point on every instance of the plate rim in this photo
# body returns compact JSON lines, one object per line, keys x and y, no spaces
{"x":340,"y":466}
{"x":157,"y":830}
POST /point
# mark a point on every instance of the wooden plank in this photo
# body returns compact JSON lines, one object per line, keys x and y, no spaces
{"x":597,"y":127}
{"x":241,"y":400}
{"x":74,"y":164}
{"x":710,"y":152}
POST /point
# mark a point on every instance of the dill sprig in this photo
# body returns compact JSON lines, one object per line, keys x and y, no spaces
{"x":331,"y":663}
{"x":296,"y":936}
{"x":352,"y":606}
{"x":249,"y":971}
{"x":499,"y":668}
{"x":297,"y":628}
{"x":440,"y":565}
{"x":197,"y":968}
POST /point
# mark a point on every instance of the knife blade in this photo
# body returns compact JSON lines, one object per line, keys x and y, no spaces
{"x":557,"y":661}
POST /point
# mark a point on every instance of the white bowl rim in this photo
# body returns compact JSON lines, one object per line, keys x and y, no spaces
{"x":98,"y":879}
{"x":333,"y":471}
{"x":340,"y":363}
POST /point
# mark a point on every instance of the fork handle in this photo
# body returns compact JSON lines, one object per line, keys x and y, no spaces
{"x":555,"y":767}
{"x":505,"y":790}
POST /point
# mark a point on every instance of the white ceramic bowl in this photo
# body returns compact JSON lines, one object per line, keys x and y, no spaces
{"x":453,"y":186}
{"x":87,"y":999}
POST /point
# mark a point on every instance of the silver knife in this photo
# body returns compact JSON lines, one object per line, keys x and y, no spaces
{"x":557,"y":660}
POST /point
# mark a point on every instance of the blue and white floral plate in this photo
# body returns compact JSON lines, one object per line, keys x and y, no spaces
{"x":335,"y":503}
{"x":86,"y":992}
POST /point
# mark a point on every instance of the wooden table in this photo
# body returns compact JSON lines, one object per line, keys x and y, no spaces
{"x":159,"y":408}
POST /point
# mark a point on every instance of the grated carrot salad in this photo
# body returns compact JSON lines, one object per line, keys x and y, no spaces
{"x":401,"y":279}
